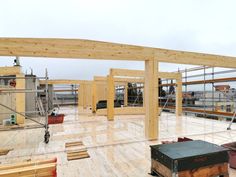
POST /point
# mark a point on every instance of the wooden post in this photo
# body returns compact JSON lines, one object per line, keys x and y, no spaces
{"x":81,"y":95}
{"x":178,"y":101}
{"x":126,"y":95}
{"x":78,"y":97}
{"x":20,"y":99}
{"x":110,"y":97}
{"x":94,"y":96}
{"x":151,"y":99}
{"x":84,"y":96}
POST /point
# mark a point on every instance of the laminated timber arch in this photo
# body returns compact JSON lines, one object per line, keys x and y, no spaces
{"x":87,"y":49}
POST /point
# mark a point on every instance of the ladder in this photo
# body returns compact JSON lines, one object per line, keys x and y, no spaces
{"x":56,"y":100}
{"x":166,"y":102}
{"x":233,"y":117}
{"x":40,"y":107}
{"x":232,"y":120}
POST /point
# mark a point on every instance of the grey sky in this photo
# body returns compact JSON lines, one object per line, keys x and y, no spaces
{"x":193,"y":25}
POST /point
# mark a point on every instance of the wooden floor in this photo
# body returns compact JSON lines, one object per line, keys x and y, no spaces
{"x":116,"y":148}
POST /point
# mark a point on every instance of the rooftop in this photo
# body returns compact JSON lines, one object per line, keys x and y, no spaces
{"x":116,"y":148}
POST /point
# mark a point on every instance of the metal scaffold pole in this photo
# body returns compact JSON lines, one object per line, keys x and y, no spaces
{"x":186,"y":101}
{"x":47,"y":134}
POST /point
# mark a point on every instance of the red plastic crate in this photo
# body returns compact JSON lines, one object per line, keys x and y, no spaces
{"x":58,"y":119}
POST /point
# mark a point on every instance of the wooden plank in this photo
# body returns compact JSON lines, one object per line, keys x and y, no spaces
{"x":76,"y":150}
{"x":78,"y":157}
{"x":73,"y":154}
{"x":5,"y":151}
{"x":25,"y":164}
{"x":28,"y":170}
{"x":76,"y":143}
{"x":42,"y":174}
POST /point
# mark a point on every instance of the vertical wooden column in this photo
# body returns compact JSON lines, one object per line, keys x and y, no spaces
{"x":78,"y":97}
{"x":94,"y":96}
{"x":81,"y":95}
{"x":20,"y":99}
{"x":126,"y":95}
{"x":179,"y":107}
{"x":151,"y":99}
{"x":144,"y":95}
{"x":110,"y":97}
{"x":84,"y":96}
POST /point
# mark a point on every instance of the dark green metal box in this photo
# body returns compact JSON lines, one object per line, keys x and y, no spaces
{"x":189,"y":155}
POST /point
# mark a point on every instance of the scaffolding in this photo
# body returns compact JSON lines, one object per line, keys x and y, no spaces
{"x":23,"y":114}
{"x":206,"y":101}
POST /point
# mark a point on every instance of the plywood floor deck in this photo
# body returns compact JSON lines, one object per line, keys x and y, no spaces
{"x":116,"y":148}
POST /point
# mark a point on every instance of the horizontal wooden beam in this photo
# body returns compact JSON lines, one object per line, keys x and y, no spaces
{"x":193,"y":58}
{"x":10,"y":70}
{"x":208,"y":81}
{"x":64,"y":82}
{"x":169,"y":75}
{"x":71,"y":48}
{"x":120,"y":80}
{"x":88,"y":49}
{"x":202,"y":111}
{"x":140,"y":73}
{"x":127,"y":72}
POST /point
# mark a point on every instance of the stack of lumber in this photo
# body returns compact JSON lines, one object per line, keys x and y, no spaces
{"x":76,"y":150}
{"x":42,"y":168}
{"x":5,"y":151}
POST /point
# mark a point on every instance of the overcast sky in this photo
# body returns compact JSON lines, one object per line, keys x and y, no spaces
{"x":193,"y":25}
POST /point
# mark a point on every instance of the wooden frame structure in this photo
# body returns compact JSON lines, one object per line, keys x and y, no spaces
{"x":116,"y":81}
{"x":20,"y":84}
{"x":88,"y":49}
{"x":140,"y":74}
{"x":84,"y":90}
